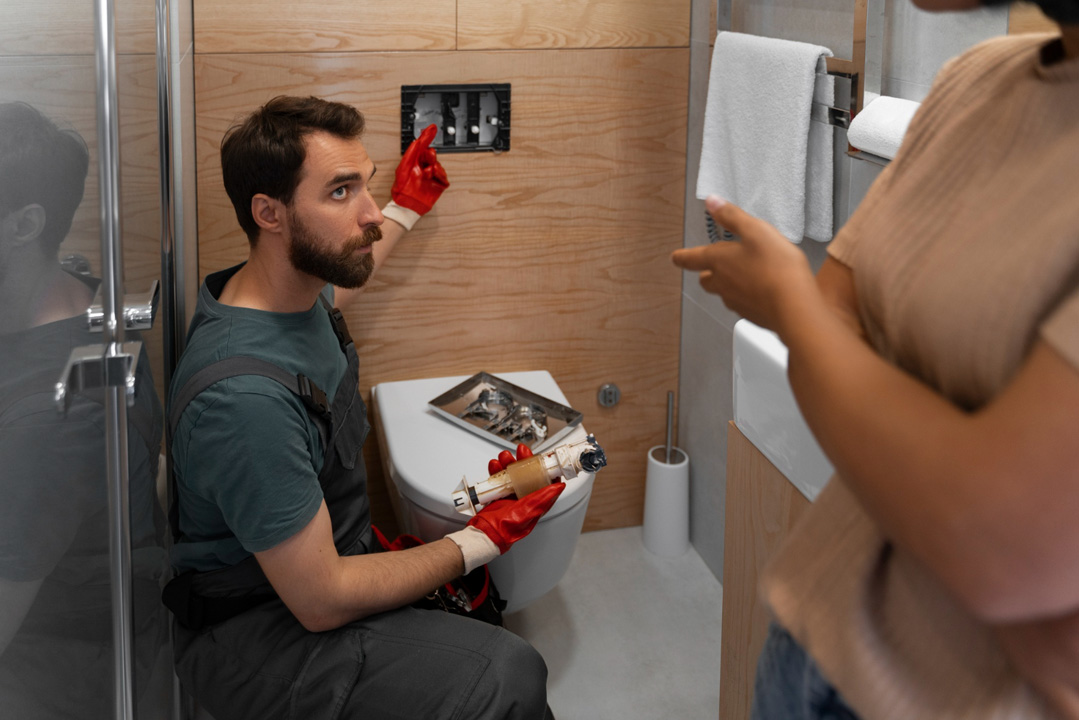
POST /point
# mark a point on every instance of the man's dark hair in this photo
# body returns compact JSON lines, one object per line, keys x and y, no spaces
{"x":41,"y":164}
{"x":265,"y":152}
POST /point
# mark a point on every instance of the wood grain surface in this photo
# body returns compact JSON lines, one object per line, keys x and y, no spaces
{"x":484,"y":25}
{"x":66,"y":27}
{"x":762,"y":507}
{"x":553,"y":255}
{"x":278,"y":26}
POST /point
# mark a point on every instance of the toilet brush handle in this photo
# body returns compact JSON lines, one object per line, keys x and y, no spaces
{"x":670,"y":422}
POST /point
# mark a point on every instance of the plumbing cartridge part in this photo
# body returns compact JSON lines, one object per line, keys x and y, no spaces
{"x":531,"y":474}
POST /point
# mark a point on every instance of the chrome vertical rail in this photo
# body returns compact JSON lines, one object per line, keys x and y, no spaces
{"x":172,"y":289}
{"x":169,"y":285}
{"x":115,"y":363}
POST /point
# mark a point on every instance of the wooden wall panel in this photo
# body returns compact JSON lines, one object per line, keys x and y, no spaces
{"x":553,"y":255}
{"x":483,"y":24}
{"x":323,"y":25}
{"x":66,"y":27}
{"x":762,"y":507}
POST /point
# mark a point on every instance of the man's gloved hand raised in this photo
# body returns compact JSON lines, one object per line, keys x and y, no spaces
{"x":495,"y":528}
{"x":418,"y":181}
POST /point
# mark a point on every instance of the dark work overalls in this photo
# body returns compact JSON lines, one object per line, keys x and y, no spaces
{"x":242,"y":653}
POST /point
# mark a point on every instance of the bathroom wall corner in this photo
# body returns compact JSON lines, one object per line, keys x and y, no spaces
{"x":706,"y":405}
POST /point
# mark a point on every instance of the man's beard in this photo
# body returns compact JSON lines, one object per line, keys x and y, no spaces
{"x":345,"y":269}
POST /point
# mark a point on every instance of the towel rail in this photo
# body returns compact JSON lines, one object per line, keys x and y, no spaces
{"x":840,"y":117}
{"x":853,"y":69}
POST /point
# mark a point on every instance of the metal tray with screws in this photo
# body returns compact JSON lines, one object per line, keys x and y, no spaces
{"x":505,"y":413}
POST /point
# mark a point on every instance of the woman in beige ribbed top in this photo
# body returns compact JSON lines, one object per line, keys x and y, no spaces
{"x":936,"y":359}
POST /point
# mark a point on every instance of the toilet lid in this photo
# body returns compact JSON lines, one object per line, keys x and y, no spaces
{"x":428,"y":454}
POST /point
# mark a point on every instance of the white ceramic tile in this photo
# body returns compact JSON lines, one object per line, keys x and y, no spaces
{"x":691,"y":286}
{"x":628,"y":635}
{"x":905,"y":89}
{"x":863,"y":174}
{"x":841,"y":189}
{"x":723,"y":15}
{"x":917,"y":43}
{"x":700,"y":57}
{"x":705,"y":406}
{"x":815,"y":252}
{"x":820,"y":22}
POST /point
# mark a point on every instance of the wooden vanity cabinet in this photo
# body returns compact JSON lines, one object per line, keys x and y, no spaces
{"x":762,"y":507}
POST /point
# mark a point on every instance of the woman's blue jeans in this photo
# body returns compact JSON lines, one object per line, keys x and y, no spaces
{"x":789,"y":685}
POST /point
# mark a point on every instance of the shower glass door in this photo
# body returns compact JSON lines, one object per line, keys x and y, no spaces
{"x":82,"y":526}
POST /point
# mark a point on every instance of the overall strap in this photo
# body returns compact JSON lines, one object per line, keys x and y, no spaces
{"x":193,"y":597}
{"x":337,"y":320}
{"x":311,"y":394}
{"x":237,"y":365}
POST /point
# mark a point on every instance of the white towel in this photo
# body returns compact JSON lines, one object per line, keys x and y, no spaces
{"x":757,"y":133}
{"x":880,"y":126}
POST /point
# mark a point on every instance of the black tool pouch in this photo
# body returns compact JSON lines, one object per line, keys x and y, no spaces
{"x":195,"y":611}
{"x":473,"y":595}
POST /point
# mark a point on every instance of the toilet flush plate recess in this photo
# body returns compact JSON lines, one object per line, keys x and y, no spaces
{"x":505,"y":414}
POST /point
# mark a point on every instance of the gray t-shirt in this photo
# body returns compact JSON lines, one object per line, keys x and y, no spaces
{"x":246,"y":454}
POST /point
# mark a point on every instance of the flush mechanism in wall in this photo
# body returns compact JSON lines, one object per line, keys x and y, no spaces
{"x":470,"y":118}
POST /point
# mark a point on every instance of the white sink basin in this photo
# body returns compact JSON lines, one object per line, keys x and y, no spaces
{"x":766,"y":413}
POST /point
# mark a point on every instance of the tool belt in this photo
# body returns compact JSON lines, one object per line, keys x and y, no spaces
{"x":473,"y":595}
{"x":196,"y":611}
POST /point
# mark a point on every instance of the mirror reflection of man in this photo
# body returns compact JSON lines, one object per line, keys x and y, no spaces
{"x":56,"y":657}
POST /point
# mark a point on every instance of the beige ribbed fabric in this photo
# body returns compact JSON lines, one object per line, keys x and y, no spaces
{"x":965,"y":252}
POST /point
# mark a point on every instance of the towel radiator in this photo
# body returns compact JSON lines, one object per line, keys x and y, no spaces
{"x":853,"y":70}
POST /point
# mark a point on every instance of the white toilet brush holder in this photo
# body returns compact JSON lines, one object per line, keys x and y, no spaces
{"x":666,"y":502}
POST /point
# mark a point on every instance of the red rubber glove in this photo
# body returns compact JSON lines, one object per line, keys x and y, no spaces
{"x":505,"y":459}
{"x":420,"y":178}
{"x":507,"y":521}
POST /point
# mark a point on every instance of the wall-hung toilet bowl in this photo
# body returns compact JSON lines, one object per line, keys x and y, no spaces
{"x":424,"y":457}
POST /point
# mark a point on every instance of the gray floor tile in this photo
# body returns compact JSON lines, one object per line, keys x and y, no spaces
{"x":628,"y":635}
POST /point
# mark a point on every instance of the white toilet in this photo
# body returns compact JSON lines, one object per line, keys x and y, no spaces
{"x":425,"y":456}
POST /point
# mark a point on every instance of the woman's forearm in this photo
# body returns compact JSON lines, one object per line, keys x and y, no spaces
{"x":951,"y":487}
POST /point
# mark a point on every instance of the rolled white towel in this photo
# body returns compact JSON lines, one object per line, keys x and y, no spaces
{"x":880,"y":126}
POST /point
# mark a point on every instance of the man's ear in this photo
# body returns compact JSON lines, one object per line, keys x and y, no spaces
{"x":27,"y":223}
{"x":269,"y":214}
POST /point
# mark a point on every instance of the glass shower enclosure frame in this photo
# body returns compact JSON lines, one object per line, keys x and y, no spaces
{"x":94,"y":129}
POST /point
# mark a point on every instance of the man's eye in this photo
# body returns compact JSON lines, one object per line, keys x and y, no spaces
{"x":339,"y":192}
